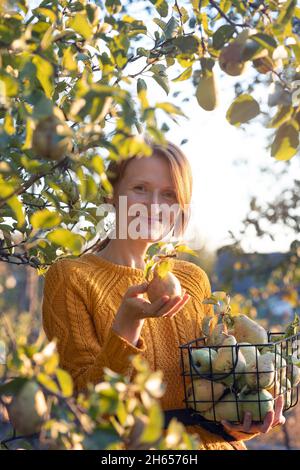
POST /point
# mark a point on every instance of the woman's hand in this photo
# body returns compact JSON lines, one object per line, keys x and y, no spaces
{"x":138,"y":308}
{"x":134,"y":309}
{"x":272,"y":419}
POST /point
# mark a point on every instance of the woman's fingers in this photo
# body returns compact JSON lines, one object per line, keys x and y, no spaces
{"x":173,"y":306}
{"x":278,"y":417}
{"x":247,"y":423}
{"x":165,"y":306}
{"x":178,"y":306}
{"x":268,"y":421}
{"x":168,"y":306}
{"x":151,"y":309}
{"x":134,"y":291}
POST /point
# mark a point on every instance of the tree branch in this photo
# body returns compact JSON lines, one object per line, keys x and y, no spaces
{"x":226,"y":17}
{"x":33,"y":179}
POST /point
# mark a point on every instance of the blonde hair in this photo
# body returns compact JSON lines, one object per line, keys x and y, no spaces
{"x":181,"y":174}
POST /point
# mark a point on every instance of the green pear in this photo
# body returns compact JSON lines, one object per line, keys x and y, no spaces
{"x":206,"y":92}
{"x":28,"y":409}
{"x":247,"y":330}
{"x":279,"y":364}
{"x":227,"y":408}
{"x":52,"y":137}
{"x":257,"y":403}
{"x":164,"y":283}
{"x":224,"y":363}
{"x":294,"y":374}
{"x":203,"y":393}
{"x":231,"y":60}
{"x":261,"y":373}
{"x":203,"y":359}
{"x":286,"y":390}
{"x":249,"y":352}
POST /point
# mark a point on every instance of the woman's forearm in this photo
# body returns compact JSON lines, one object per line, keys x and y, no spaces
{"x":130,"y":331}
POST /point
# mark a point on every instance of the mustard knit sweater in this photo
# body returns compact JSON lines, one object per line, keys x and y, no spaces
{"x":81,"y":298}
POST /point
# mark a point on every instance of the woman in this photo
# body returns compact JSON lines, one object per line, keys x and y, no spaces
{"x":94,"y":304}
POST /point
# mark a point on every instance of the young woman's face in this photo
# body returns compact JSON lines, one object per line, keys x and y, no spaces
{"x":147,"y":192}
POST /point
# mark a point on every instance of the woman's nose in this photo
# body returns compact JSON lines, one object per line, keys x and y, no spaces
{"x":154,"y":197}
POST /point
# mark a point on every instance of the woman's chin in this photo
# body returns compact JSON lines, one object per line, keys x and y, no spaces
{"x":152,"y":236}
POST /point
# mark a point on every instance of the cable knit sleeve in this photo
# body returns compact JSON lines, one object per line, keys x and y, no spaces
{"x":208,"y":308}
{"x":67,"y":318}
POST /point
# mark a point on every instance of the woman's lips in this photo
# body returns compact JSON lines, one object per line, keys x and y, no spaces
{"x":154,"y":221}
{"x":149,"y":219}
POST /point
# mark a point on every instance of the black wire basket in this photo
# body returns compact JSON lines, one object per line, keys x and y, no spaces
{"x":212,"y":394}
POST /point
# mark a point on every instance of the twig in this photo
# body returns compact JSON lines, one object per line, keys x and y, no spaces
{"x":23,"y":188}
{"x":226,"y":17}
{"x":180,"y":15}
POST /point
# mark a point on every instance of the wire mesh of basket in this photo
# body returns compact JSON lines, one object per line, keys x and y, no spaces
{"x":226,"y":389}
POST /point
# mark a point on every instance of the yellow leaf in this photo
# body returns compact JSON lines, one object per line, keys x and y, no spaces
{"x":286,"y":142}
{"x":185,"y":249}
{"x":17,"y":207}
{"x":44,"y":74}
{"x":29,"y":131}
{"x":163,"y":268}
{"x":9,"y":126}
{"x":68,"y":61}
{"x":44,"y":219}
{"x":169,"y":108}
{"x":81,"y":25}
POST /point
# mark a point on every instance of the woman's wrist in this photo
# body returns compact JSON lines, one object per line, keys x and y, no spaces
{"x":129,"y":330}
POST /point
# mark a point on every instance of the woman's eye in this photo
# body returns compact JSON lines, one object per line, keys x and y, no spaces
{"x":170,"y":195}
{"x":139,"y":187}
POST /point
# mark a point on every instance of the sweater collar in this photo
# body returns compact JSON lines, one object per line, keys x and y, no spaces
{"x":113,"y":267}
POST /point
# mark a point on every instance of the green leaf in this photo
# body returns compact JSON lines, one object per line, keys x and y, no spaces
{"x":222,"y":35}
{"x":47,"y":13}
{"x":286,"y":142}
{"x":141,"y":85}
{"x":287,"y":11}
{"x":251,"y":49}
{"x":171,"y":28}
{"x":101,"y":438}
{"x":81,"y":25}
{"x":153,"y":429}
{"x":265,"y":41}
{"x":162,"y":24}
{"x":66,"y":239}
{"x":187,"y":44}
{"x":65,"y":382}
{"x":45,"y":219}
{"x":44,"y":74}
{"x":243,"y":109}
{"x":13,"y":386}
{"x":161,"y":6}
{"x":163,"y":82}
